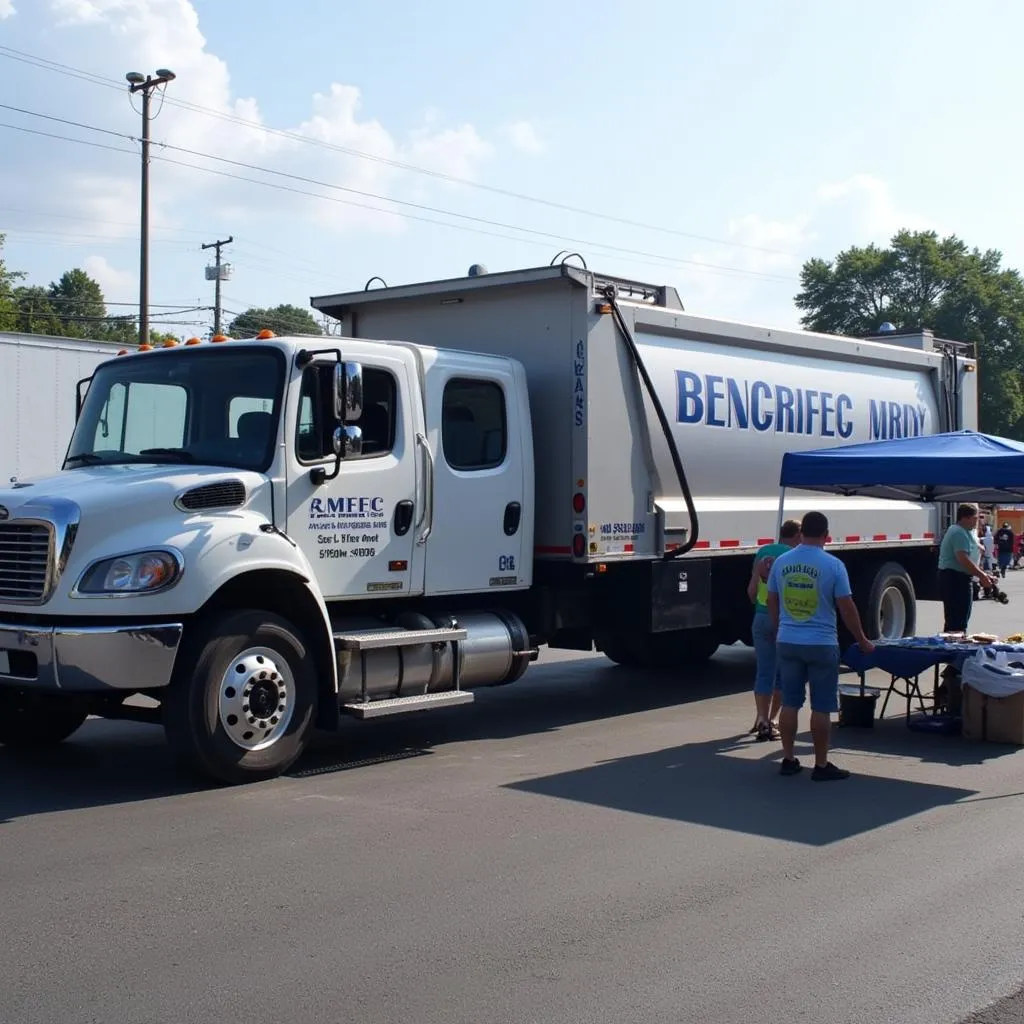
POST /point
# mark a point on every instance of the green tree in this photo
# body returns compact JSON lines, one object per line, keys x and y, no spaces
{"x":8,"y":305}
{"x":78,"y":301}
{"x":923,"y":281}
{"x":35,"y":313}
{"x":279,"y":319}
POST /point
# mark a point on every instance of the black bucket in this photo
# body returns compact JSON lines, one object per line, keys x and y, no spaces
{"x":857,"y":706}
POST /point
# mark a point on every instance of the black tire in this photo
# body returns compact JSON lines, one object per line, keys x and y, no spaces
{"x":30,"y":720}
{"x":686,"y":648}
{"x":619,"y":649}
{"x":877,"y":606}
{"x":191,"y":706}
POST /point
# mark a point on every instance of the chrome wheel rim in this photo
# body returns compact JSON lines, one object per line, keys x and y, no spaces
{"x":256,"y":698}
{"x":892,"y":614}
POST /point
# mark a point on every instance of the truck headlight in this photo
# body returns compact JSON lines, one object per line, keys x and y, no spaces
{"x":143,"y":573}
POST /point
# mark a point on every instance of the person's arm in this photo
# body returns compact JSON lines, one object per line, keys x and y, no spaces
{"x":754,"y":580}
{"x":773,"y":595}
{"x":851,"y":619}
{"x":972,"y":568}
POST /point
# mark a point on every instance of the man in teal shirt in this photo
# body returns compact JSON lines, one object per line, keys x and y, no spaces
{"x":959,"y":556}
{"x":767,"y":695}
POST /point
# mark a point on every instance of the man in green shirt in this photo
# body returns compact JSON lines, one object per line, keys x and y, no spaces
{"x":767,"y":695}
{"x":959,"y":556}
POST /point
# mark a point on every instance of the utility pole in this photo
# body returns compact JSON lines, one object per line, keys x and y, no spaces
{"x":145,"y":84}
{"x":218,"y":274}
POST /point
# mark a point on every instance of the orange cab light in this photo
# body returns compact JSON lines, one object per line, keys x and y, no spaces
{"x":145,"y":347}
{"x":193,"y":341}
{"x":170,"y":343}
{"x":123,"y":352}
{"x":217,"y":338}
{"x":265,"y":334}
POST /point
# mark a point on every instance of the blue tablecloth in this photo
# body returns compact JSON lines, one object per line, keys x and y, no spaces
{"x":909,"y":657}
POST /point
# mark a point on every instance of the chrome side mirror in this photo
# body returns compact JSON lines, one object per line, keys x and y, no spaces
{"x":348,"y":442}
{"x":348,"y":392}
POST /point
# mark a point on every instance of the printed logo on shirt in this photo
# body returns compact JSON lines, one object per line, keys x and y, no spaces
{"x":800,"y":591}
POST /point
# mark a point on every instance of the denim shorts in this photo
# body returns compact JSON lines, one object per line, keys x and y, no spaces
{"x":803,"y":664}
{"x":766,"y":676}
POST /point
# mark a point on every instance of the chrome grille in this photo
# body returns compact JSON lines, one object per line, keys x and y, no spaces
{"x":25,"y":559}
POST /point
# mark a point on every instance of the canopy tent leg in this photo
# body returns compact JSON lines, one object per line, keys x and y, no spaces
{"x":782,"y":505}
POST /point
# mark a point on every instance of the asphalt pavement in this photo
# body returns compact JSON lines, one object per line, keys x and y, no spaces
{"x":588,"y":845}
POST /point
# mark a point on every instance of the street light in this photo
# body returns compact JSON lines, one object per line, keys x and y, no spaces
{"x":145,"y":84}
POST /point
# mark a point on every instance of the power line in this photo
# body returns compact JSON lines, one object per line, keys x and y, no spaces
{"x":556,"y":238}
{"x":95,"y":79}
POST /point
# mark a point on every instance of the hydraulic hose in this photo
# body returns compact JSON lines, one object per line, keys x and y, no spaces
{"x":610,"y":294}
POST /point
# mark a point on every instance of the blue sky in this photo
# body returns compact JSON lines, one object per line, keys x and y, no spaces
{"x":713,"y":146}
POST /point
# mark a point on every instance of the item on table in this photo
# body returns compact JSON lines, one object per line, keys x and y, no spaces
{"x":1015,"y":638}
{"x":953,"y":637}
{"x":982,"y":638}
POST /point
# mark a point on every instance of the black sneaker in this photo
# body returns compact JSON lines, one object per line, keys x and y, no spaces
{"x":789,"y":767}
{"x":828,"y":773}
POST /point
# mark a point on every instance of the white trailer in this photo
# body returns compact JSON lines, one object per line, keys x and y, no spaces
{"x":304,"y":528}
{"x":38,"y":380}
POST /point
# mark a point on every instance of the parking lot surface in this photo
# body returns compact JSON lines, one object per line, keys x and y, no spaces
{"x":589,"y":845}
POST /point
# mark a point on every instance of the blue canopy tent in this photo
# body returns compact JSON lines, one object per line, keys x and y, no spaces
{"x":960,"y":466}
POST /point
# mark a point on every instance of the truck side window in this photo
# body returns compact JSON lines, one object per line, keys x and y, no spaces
{"x":316,"y":423}
{"x":474,"y":428}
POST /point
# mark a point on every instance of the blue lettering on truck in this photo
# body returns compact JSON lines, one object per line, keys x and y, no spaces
{"x":719,"y":401}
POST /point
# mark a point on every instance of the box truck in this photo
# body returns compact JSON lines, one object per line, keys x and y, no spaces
{"x":38,"y":377}
{"x":264,"y":535}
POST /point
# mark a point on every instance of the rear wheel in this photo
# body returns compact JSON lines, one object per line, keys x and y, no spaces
{"x":37,"y":720}
{"x":243,"y":702}
{"x":889,"y":610}
{"x":622,"y":650}
{"x":679,"y":649}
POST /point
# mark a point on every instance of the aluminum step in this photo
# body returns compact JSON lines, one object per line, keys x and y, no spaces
{"x":399,"y":705}
{"x":397,"y":638}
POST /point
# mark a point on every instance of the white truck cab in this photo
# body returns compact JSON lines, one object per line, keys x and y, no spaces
{"x":232,"y":521}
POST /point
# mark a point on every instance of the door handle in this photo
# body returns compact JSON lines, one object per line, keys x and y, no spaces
{"x":513,"y":514}
{"x":403,"y":517}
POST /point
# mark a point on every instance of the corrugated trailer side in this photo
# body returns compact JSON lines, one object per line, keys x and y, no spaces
{"x":39,"y":376}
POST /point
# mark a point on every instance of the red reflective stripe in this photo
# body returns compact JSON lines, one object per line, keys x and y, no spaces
{"x":627,"y":547}
{"x":906,"y":536}
{"x":702,"y":544}
{"x":852,"y":539}
{"x":828,"y":540}
{"x":673,"y":547}
{"x":552,"y":551}
{"x":728,"y":543}
{"x":880,"y":536}
{"x":765,"y":540}
{"x":929,"y":536}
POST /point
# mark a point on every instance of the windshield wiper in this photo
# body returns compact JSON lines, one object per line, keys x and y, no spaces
{"x":84,"y":459}
{"x":177,"y":454}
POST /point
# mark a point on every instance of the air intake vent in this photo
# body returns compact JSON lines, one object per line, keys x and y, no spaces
{"x":223,"y":494}
{"x":25,"y":557}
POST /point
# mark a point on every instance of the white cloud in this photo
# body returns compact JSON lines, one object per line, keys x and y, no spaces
{"x":866,"y":205}
{"x":7,"y":9}
{"x":117,"y":285}
{"x":166,"y":33}
{"x":524,"y":137}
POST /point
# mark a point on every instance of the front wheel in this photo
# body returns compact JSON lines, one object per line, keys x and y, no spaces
{"x":37,"y":720}
{"x":242,"y":705}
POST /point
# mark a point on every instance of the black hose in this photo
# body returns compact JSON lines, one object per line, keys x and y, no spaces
{"x":610,"y":294}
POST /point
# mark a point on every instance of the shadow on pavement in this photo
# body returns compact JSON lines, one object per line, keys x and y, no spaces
{"x":702,"y":784}
{"x":119,"y":762}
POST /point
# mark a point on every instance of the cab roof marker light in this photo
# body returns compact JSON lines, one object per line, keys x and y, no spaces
{"x":145,"y":348}
{"x":193,"y":341}
{"x":265,"y":335}
{"x":218,"y":338}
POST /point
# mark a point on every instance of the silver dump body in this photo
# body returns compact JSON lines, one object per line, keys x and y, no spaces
{"x":737,"y":397}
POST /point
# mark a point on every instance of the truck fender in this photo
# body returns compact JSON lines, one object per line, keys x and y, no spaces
{"x":291,"y":595}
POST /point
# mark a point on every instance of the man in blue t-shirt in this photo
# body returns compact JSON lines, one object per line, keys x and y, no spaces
{"x":805,"y":587}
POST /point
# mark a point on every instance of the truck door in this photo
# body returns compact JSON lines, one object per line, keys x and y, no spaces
{"x":358,"y":530}
{"x":480,"y":517}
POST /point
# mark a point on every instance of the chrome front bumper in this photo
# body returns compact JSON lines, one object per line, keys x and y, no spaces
{"x":88,"y":658}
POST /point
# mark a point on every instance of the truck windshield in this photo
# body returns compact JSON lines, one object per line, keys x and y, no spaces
{"x":215,"y":407}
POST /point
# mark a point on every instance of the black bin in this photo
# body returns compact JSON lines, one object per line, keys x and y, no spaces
{"x":857,"y":706}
